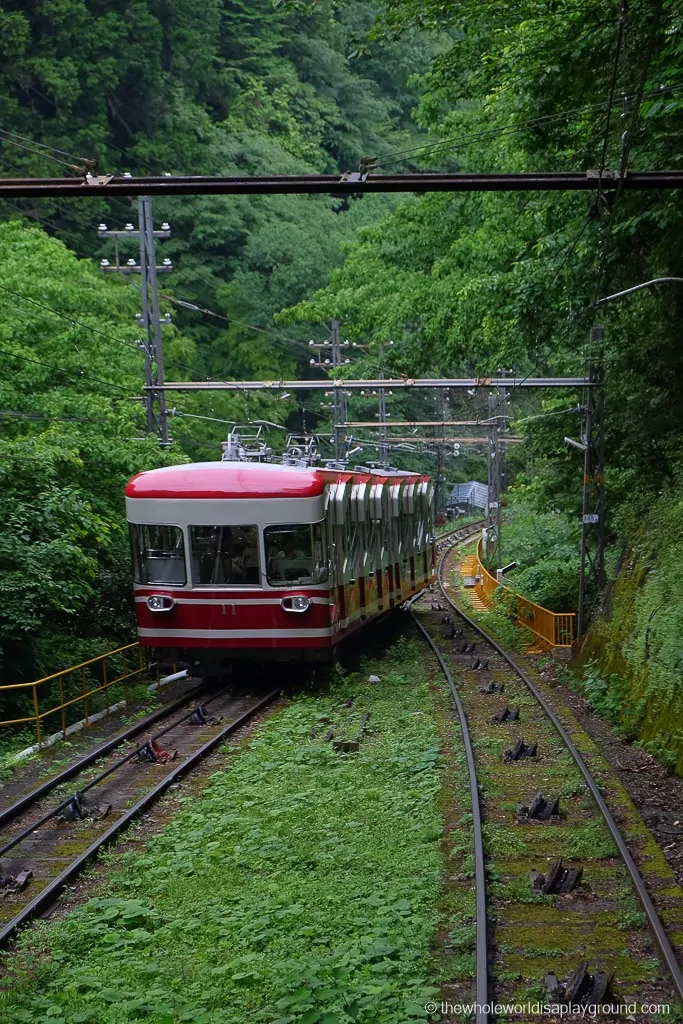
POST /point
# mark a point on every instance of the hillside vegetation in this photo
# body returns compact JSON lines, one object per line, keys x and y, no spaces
{"x":461,"y":283}
{"x":238,"y":87}
{"x":473,"y":282}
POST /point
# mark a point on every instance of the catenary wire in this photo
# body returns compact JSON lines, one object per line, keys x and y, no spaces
{"x":539,"y":121}
{"x":71,"y":319}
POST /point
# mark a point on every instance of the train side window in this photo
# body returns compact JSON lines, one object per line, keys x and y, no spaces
{"x":295,"y":554}
{"x":224,"y":556}
{"x":158,"y":555}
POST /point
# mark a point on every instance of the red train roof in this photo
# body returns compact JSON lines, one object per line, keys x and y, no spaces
{"x":226,"y":480}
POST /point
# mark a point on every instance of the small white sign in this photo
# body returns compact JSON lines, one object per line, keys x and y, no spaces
{"x":592,"y":517}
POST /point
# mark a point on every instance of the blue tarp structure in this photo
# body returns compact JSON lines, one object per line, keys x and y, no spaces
{"x":469,"y":496}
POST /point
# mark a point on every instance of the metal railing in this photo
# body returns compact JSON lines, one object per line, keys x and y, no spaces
{"x":80,"y":684}
{"x":557,"y":629}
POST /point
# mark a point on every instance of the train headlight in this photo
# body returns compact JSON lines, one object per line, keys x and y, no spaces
{"x":298,"y":603}
{"x":160,"y":603}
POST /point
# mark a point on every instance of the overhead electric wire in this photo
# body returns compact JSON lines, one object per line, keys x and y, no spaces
{"x":33,"y":152}
{"x":613,"y":85}
{"x":30,"y":417}
{"x":61,"y":369}
{"x":625,"y":150}
{"x":43,"y":145}
{"x":457,"y":140}
{"x":55,"y":227}
{"x":233,"y":320}
{"x":71,"y":319}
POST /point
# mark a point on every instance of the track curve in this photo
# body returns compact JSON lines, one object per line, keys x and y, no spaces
{"x":653,"y":918}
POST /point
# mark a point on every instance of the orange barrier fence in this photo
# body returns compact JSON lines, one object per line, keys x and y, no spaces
{"x":555,"y":629}
{"x":80,"y":684}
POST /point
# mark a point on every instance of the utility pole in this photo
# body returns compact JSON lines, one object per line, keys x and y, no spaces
{"x":494,"y":540}
{"x":503,"y":430}
{"x":592,"y":576}
{"x":153,"y":312}
{"x":339,"y":405}
{"x":439,"y":495}
{"x":150,"y":319}
{"x":340,"y":415}
{"x":383,"y":436}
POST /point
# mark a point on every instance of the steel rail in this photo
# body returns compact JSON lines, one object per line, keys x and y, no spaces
{"x":482,"y":976}
{"x":50,"y":892}
{"x":481,"y":921}
{"x":13,"y":810}
{"x":54,"y":811}
{"x":334,"y":184}
{"x":647,"y":904}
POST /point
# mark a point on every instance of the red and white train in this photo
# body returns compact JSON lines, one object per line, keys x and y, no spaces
{"x":247,"y":559}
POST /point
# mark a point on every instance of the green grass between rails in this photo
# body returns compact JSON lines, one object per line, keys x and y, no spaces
{"x":300,"y":887}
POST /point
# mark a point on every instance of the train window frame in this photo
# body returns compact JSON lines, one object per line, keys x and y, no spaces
{"x":320,"y":572}
{"x":227,"y":556}
{"x":140,"y":559}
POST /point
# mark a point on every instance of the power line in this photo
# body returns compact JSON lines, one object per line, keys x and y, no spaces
{"x":69,"y":318}
{"x":61,"y":369}
{"x":568,"y":252}
{"x":459,"y":140}
{"x":233,"y":320}
{"x":42,"y":145}
{"x":613,"y":84}
{"x":626,"y":145}
{"x":34,"y":152}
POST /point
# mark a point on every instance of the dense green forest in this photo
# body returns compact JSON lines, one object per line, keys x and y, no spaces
{"x":461,"y":283}
{"x":470,"y":283}
{"x":151,"y":88}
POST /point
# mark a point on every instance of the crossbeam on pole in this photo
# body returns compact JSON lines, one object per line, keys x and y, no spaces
{"x":358,"y":385}
{"x":333,"y":184}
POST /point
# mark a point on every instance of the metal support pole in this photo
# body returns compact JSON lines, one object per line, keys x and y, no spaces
{"x":150,"y":318}
{"x":155,"y":316}
{"x":592,"y":574}
{"x":340,"y":410}
{"x":494,"y":543}
{"x":144,"y":285}
{"x":383,"y":437}
{"x":503,"y":429}
{"x":439,"y":491}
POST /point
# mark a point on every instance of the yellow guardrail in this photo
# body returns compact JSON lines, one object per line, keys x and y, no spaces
{"x":95,"y":676}
{"x":555,"y":628}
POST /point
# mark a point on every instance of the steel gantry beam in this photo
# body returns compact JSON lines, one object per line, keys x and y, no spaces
{"x":358,"y":385}
{"x":326,"y":184}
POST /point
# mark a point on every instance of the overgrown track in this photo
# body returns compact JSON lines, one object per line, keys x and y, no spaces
{"x":55,"y":845}
{"x":522,"y":934}
{"x":142,"y":726}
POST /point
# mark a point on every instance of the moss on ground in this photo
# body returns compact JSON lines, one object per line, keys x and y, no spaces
{"x":302,"y":885}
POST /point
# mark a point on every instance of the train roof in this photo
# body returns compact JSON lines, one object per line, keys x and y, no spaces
{"x":227,"y":480}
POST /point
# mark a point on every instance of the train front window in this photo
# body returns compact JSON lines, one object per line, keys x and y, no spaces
{"x":158,"y":555}
{"x":224,"y":556}
{"x":295,"y":554}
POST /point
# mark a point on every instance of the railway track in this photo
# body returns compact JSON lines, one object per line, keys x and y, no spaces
{"x":586,"y":929}
{"x":51,"y":833}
